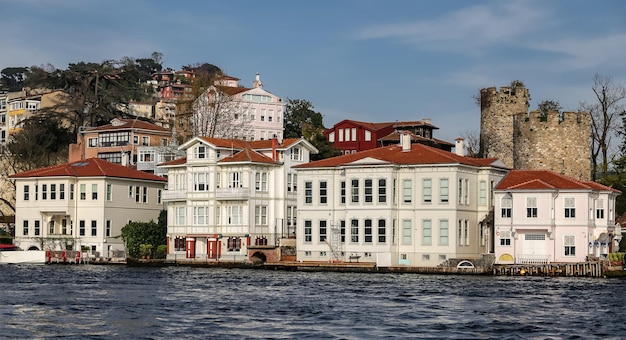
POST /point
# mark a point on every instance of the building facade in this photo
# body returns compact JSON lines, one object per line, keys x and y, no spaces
{"x":244,"y":113}
{"x":228,"y":197}
{"x":351,"y":136}
{"x":83,"y":204}
{"x":541,"y":216}
{"x":120,"y":141}
{"x":402,"y":205}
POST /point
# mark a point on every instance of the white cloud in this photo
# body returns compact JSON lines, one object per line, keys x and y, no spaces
{"x":580,"y":53}
{"x":473,"y":26}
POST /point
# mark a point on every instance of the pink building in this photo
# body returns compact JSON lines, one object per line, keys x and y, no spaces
{"x":542,"y":216}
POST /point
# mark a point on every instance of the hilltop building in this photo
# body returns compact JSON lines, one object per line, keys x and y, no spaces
{"x":402,"y":205}
{"x":83,"y":204}
{"x":129,"y":142}
{"x":232,"y":199}
{"x":352,"y":136}
{"x":542,"y":216}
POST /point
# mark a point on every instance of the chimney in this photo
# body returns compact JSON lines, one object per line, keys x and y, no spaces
{"x":426,"y":120}
{"x":405,"y":141}
{"x":459,"y":146}
{"x":274,"y":149}
{"x":257,"y":82}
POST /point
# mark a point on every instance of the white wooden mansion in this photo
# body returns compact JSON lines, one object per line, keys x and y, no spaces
{"x":83,"y":204}
{"x":227,"y":195}
{"x":542,"y":216}
{"x":401,"y":205}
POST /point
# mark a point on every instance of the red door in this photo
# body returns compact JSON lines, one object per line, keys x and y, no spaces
{"x":212,"y":248}
{"x":191,"y":248}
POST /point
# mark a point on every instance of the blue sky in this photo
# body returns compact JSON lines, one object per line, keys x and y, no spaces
{"x":353,"y":59}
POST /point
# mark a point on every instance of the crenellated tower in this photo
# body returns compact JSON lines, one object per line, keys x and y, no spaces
{"x":557,"y":141}
{"x":497,"y":109}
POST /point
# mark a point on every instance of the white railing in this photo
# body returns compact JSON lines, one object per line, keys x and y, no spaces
{"x":169,"y":195}
{"x":232,"y":193}
{"x":532,"y":259}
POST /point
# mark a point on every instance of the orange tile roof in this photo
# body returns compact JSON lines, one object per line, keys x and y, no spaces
{"x":369,"y":126}
{"x":130,"y":124}
{"x":231,"y":90}
{"x":91,"y":167}
{"x":546,"y":179}
{"x":267,"y":143}
{"x":419,"y":154}
{"x":248,"y":155}
{"x":176,"y":161}
{"x":395,"y":136}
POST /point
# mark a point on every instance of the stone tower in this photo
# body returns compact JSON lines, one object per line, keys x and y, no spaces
{"x":532,"y":141}
{"x":553,"y":141}
{"x":497,"y":110}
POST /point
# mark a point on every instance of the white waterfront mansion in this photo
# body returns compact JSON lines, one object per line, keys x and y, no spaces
{"x":402,"y":205}
{"x":542,"y":216}
{"x":83,"y":204}
{"x":227,"y":195}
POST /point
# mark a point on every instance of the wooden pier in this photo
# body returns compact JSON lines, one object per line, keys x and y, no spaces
{"x":582,"y":269}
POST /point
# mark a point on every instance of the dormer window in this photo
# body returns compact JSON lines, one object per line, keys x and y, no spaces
{"x":296,"y":155}
{"x":200,"y":152}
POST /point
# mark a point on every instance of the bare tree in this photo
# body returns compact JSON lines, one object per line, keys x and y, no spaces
{"x":472,"y":143}
{"x":220,"y":115}
{"x":605,"y":123}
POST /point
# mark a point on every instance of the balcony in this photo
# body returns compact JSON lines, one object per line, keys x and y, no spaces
{"x":232,"y":193}
{"x":174,"y":195}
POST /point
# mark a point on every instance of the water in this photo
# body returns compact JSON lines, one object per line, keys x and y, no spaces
{"x":94,"y":302}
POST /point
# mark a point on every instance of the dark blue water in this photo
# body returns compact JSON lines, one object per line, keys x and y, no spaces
{"x":98,"y":302}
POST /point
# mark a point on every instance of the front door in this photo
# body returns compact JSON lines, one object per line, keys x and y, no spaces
{"x":191,"y":248}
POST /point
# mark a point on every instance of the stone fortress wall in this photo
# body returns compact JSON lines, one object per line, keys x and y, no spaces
{"x":557,"y":141}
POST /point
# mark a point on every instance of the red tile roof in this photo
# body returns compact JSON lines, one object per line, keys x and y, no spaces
{"x":367,"y":125}
{"x":231,"y":90}
{"x":267,"y":144}
{"x":176,"y":161}
{"x":248,"y":155}
{"x":92,"y":167}
{"x":395,"y":136}
{"x":127,"y":124}
{"x":419,"y":154}
{"x":546,"y":179}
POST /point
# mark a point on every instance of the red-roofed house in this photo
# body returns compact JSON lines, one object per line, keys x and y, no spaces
{"x":401,"y":205}
{"x":123,"y":141}
{"x":542,"y":216}
{"x":352,"y":136}
{"x":232,"y":199}
{"x":83,"y":203}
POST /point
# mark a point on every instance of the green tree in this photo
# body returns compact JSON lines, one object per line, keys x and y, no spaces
{"x":12,"y":78}
{"x":136,"y":234}
{"x":95,"y":91}
{"x":40,"y":143}
{"x":301,"y":120}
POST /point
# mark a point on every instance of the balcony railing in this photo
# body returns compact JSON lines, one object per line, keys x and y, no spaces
{"x":532,"y":259}
{"x":232,"y":193}
{"x":172,"y":195}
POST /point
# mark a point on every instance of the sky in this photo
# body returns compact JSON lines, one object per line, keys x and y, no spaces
{"x":367,"y":60}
